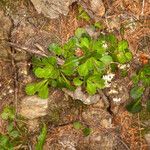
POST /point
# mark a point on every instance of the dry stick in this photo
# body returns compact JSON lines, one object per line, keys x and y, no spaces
{"x":40,"y":52}
{"x":33,"y":51}
{"x":143,"y":5}
{"x":15,"y":85}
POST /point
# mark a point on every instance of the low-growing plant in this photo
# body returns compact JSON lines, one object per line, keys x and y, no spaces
{"x":141,"y":81}
{"x":10,"y":139}
{"x":15,"y":131}
{"x":82,"y":61}
{"x":41,"y":139}
{"x":79,"y":126}
{"x":82,"y":14}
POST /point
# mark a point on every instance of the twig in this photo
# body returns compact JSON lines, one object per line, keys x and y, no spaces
{"x":40,"y":52}
{"x":33,"y":51}
{"x":143,"y":5}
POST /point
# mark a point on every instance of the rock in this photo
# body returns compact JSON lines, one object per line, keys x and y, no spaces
{"x":98,"y":140}
{"x":62,"y":109}
{"x":5,"y":24}
{"x":87,"y":99}
{"x":117,"y":94}
{"x":95,"y":8}
{"x":26,"y":35}
{"x":147,"y":138}
{"x":69,"y":138}
{"x":96,"y":117}
{"x":33,"y":107}
{"x":62,"y":138}
{"x":52,"y":8}
{"x":33,"y":125}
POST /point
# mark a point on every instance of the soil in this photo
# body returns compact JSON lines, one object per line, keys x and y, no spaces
{"x":112,"y":126}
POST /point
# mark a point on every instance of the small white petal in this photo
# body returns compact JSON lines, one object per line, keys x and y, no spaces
{"x":116,"y":99}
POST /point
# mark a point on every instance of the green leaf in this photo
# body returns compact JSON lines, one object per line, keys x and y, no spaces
{"x":91,"y":88}
{"x":41,"y":139}
{"x":86,"y":131}
{"x":5,"y":143}
{"x":79,"y":32}
{"x":14,"y":134}
{"x":148,"y":105}
{"x":40,"y":84}
{"x":77,"y":81}
{"x":45,"y":72}
{"x":135,"y":106}
{"x":97,"y":81}
{"x":90,"y":63}
{"x":71,"y":44}
{"x":70,"y":65}
{"x":84,"y":42}
{"x":98,"y":25}
{"x":43,"y":92}
{"x":52,"y":60}
{"x":111,"y":39}
{"x":97,"y":46}
{"x":30,"y":89}
{"x":10,"y":127}
{"x":77,"y":125}
{"x":84,"y":16}
{"x":136,"y":92}
{"x":124,"y":73}
{"x":122,"y":45}
{"x":106,"y":59}
{"x":55,"y":48}
{"x":39,"y":72}
{"x":8,"y":113}
{"x":128,"y":56}
{"x":135,"y":79}
{"x":83,"y":70}
{"x":121,"y":58}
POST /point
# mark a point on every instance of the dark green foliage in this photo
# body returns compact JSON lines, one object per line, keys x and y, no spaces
{"x":86,"y":60}
{"x":135,"y":106}
{"x":86,"y":131}
{"x":77,"y":125}
{"x":141,"y":81}
{"x":41,"y":139}
{"x":12,"y":135}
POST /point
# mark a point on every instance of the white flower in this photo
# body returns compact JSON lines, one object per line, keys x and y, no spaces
{"x":108,"y":77}
{"x":112,"y":91}
{"x":122,"y":66}
{"x":116,"y":99}
{"x":104,"y":44}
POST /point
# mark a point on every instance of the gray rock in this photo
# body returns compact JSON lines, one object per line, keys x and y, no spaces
{"x":33,"y":107}
{"x":117,"y":94}
{"x":52,"y":8}
{"x":96,"y":117}
{"x":95,"y":8}
{"x":147,"y":138}
{"x":87,"y":99}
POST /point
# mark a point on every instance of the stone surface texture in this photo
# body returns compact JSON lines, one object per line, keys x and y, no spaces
{"x":33,"y":107}
{"x":52,"y":8}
